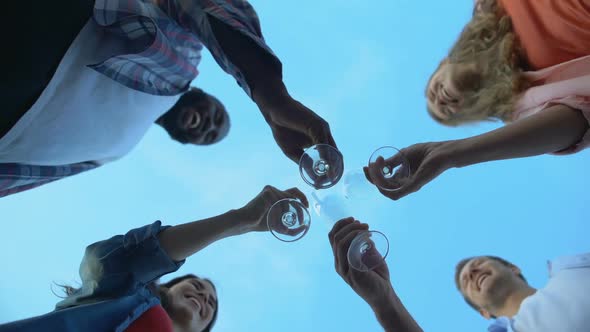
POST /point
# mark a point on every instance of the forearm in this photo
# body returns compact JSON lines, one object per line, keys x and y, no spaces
{"x":393,"y":316}
{"x":551,"y":130}
{"x":262,"y":71}
{"x":184,"y":240}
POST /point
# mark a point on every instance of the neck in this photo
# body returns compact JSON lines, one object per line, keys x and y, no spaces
{"x":513,"y":302}
{"x":179,"y":328}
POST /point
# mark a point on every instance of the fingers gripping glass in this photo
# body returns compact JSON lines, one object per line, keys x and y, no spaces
{"x":288,"y":220}
{"x":368,"y":250}
{"x":321,"y":166}
{"x":389,"y":168}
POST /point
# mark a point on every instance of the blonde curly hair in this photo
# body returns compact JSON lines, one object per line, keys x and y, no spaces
{"x":489,"y":42}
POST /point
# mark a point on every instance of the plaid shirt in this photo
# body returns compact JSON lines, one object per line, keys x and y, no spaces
{"x":15,"y":178}
{"x":170,"y":35}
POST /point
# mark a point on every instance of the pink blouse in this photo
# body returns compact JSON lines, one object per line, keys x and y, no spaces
{"x":567,"y":83}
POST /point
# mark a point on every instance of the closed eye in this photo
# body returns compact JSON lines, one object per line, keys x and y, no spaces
{"x":446,"y":93}
{"x":197,"y":285}
{"x":211,"y":302}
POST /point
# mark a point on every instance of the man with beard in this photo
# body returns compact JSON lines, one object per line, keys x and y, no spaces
{"x":196,"y":118}
{"x":491,"y":285}
{"x":497,"y":289}
{"x":80,"y":90}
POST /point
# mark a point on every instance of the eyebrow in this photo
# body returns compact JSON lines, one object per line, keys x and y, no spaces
{"x":214,"y":296}
{"x":196,"y":283}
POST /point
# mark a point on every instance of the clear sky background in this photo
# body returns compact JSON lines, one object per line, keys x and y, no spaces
{"x":363,"y":66}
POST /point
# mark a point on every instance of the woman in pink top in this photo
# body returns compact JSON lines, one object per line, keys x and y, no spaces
{"x":500,"y":69}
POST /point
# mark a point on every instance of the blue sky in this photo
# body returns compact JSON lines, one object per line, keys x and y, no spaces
{"x":362,"y":65}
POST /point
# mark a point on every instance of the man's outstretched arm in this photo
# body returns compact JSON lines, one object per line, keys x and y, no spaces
{"x":372,"y":286}
{"x":294,"y":126}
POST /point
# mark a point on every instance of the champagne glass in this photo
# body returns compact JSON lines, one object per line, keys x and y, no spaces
{"x":321,"y":166}
{"x":389,"y":168}
{"x":368,"y":249}
{"x":288,"y":220}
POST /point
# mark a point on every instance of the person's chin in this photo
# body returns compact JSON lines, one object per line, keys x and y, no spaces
{"x":178,"y":137}
{"x":183,"y":315}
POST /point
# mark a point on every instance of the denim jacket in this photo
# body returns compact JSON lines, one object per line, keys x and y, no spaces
{"x":115,"y":276}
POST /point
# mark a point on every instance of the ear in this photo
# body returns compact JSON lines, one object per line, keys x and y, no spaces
{"x":485,"y":314}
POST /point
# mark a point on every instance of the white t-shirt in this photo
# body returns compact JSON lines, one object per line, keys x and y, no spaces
{"x":563,"y":305}
{"x":83,"y":115}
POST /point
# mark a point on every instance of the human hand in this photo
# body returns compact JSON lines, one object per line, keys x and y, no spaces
{"x":372,"y":286}
{"x":296,"y":127}
{"x":425,"y":160}
{"x":254,"y":213}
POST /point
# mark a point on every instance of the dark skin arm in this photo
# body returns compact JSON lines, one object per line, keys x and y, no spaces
{"x":261,"y":70}
{"x":294,"y":126}
{"x":372,"y":286}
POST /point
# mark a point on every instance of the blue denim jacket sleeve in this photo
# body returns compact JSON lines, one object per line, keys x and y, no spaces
{"x":119,"y":265}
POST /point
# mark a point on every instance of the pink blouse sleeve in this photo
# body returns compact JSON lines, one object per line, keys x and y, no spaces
{"x":567,"y":84}
{"x":581,"y":103}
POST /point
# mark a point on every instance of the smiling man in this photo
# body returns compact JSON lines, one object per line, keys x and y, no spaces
{"x":497,"y":289}
{"x":87,"y":87}
{"x":491,"y":285}
{"x":196,"y":118}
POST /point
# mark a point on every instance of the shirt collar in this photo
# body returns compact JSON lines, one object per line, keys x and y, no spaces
{"x":568,"y":262}
{"x":501,"y":324}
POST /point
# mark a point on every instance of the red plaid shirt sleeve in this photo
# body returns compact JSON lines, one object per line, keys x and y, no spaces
{"x":171,"y":34}
{"x":15,"y":178}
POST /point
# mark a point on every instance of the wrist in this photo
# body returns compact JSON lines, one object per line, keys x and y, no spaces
{"x":270,"y":97}
{"x":242,"y":221}
{"x":238,"y":222}
{"x":383,"y":307}
{"x":452,"y":152}
{"x":384,"y":313}
{"x":393,"y":316}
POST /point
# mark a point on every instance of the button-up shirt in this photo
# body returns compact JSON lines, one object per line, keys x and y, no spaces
{"x":562,"y":305}
{"x":164,"y":39}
